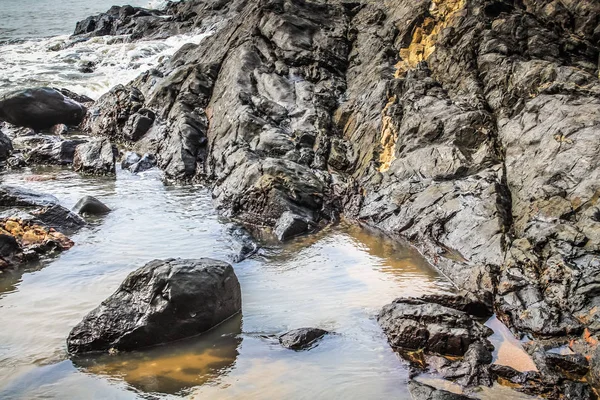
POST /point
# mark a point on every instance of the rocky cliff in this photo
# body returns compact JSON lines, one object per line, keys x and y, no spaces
{"x":469,"y":127}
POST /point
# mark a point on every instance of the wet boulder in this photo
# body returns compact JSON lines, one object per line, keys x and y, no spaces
{"x":163,"y":301}
{"x":91,"y":206}
{"x":11,"y":196}
{"x":54,"y":153}
{"x":97,"y":157}
{"x":11,"y":252}
{"x":417,"y":324}
{"x":40,"y":108}
{"x":301,"y":339}
{"x":59,"y":218}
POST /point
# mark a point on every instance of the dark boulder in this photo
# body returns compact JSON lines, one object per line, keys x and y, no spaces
{"x":55,"y":153}
{"x":89,"y":205}
{"x":421,"y":391}
{"x":160,"y":302}
{"x":11,"y":196}
{"x":301,"y":339}
{"x":97,"y":157}
{"x":59,"y":218}
{"x":40,"y":108}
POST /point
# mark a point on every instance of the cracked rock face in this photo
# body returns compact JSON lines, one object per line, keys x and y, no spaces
{"x":469,"y":128}
{"x":160,"y":302}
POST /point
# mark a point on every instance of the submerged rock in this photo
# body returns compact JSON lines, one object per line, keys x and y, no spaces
{"x":40,"y":108}
{"x":91,"y":206}
{"x":301,"y":339}
{"x":97,"y":157}
{"x":59,"y":218}
{"x":160,"y":302}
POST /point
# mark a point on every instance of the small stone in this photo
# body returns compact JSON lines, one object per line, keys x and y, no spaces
{"x":91,"y":206}
{"x":290,"y":225}
{"x":301,"y":339}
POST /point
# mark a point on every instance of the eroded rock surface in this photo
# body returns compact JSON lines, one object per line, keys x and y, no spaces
{"x":469,"y":128}
{"x":163,"y":301}
{"x":97,"y":157}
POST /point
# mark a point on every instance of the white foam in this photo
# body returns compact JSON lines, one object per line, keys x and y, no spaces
{"x":32,"y":63}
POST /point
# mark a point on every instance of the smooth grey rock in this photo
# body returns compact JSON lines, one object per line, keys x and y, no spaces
{"x":40,"y":108}
{"x":160,"y":302}
{"x":91,"y":206}
{"x":130,"y":158}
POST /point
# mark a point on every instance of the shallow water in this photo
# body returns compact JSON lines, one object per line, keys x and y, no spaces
{"x":337,"y":280}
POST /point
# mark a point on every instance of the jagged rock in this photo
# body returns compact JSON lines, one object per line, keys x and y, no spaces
{"x":96,"y":157}
{"x":290,"y":225}
{"x":574,"y":364}
{"x":91,"y":206}
{"x":138,"y":124}
{"x":59,"y":218}
{"x":130,"y":158}
{"x":416,"y":324}
{"x":11,"y":196}
{"x":421,"y":391}
{"x":160,"y":302}
{"x":148,"y":161}
{"x":6,"y":147}
{"x":245,"y":245}
{"x":119,"y":20}
{"x":301,"y":339}
{"x":468,"y":128}
{"x":56,"y":153}
{"x":111,"y":113}
{"x":40,"y":108}
{"x":11,"y":253}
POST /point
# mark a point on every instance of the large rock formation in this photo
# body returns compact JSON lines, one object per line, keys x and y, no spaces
{"x":160,"y":302}
{"x":468,"y":127}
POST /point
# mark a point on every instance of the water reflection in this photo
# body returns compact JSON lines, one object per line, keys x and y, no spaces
{"x":175,"y":367}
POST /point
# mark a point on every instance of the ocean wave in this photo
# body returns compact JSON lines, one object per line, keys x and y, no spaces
{"x":89,"y":67}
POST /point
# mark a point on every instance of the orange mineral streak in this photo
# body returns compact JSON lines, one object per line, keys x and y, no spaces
{"x":424,"y":39}
{"x":30,"y":234}
{"x":587,"y":335}
{"x":389,"y":137}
